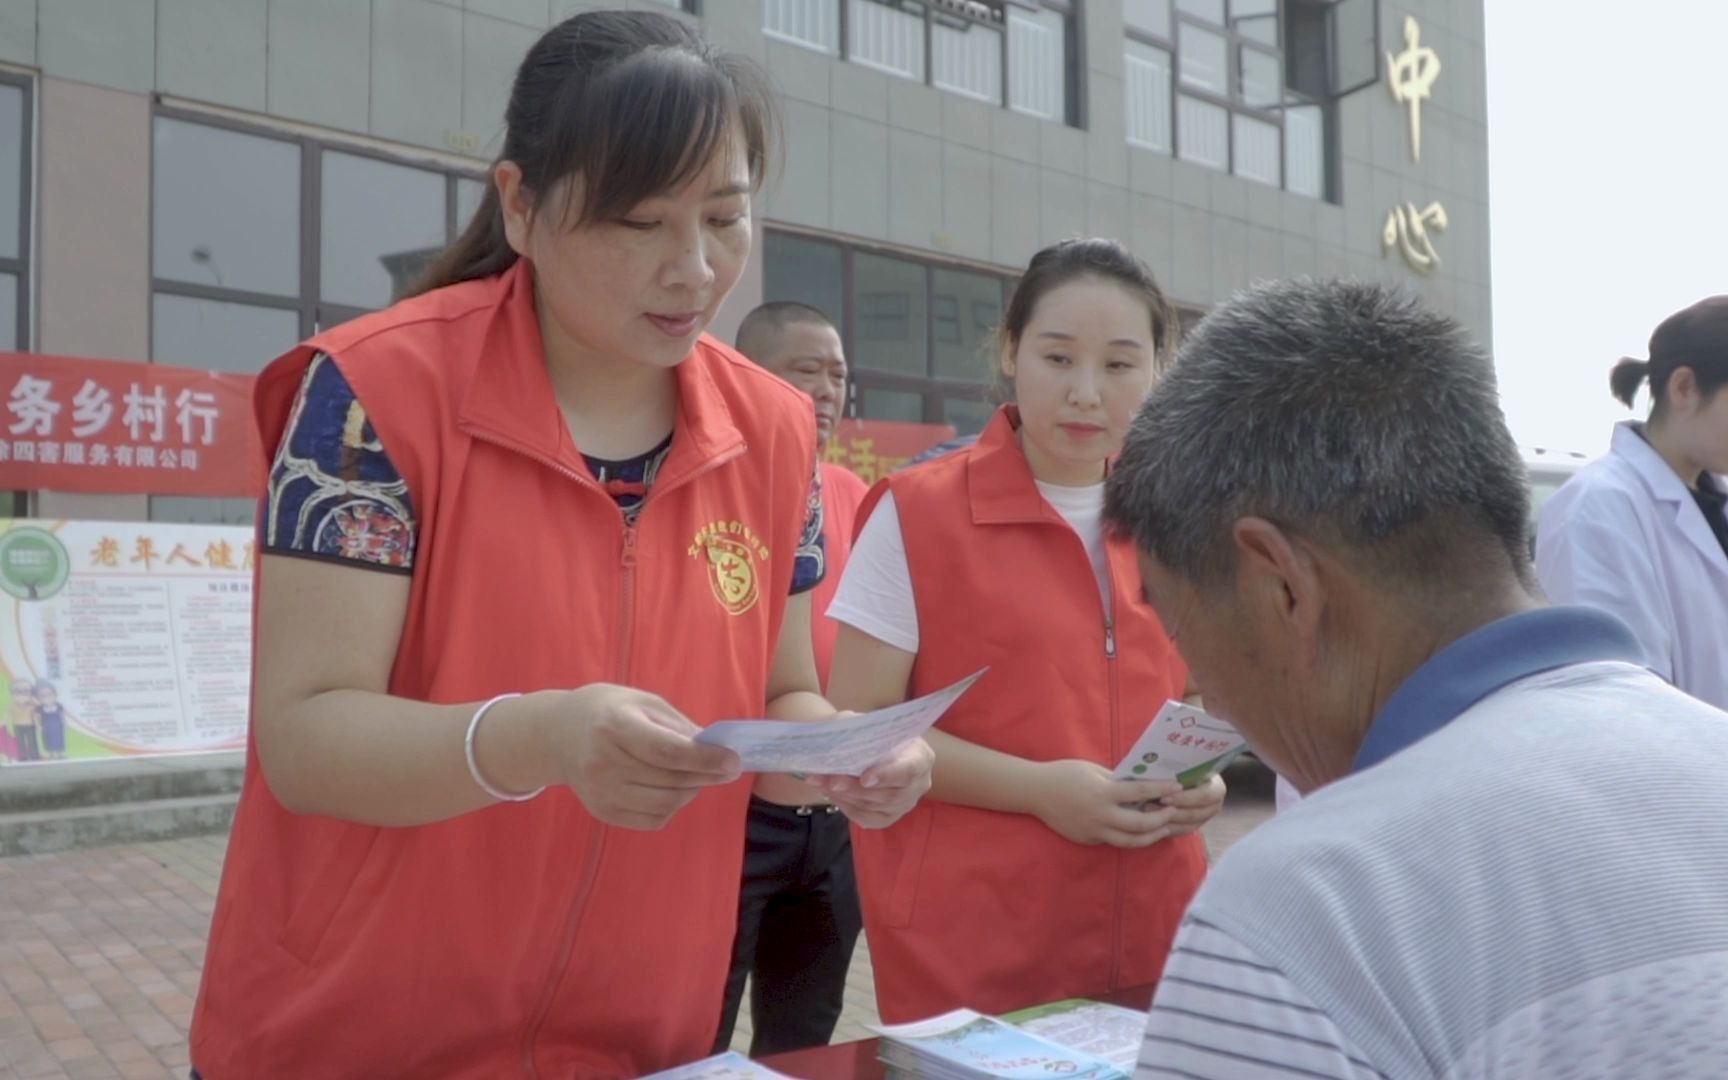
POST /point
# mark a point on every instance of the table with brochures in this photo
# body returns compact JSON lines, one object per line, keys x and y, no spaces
{"x":857,"y":1060}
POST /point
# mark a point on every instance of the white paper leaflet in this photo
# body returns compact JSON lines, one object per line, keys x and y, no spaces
{"x":844,"y":747}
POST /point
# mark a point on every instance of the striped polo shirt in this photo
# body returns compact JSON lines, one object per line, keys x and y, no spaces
{"x":1525,"y":875}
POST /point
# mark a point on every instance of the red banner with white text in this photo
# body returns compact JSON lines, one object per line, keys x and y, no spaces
{"x":118,"y":427}
{"x":875,"y":448}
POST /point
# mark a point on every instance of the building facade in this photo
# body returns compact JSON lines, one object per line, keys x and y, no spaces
{"x":201,"y":183}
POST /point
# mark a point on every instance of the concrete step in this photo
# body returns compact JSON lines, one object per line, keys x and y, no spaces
{"x":53,"y":807}
{"x":37,"y":832}
{"x":63,"y":785}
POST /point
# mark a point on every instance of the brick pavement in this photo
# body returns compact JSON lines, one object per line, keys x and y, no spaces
{"x":99,"y":958}
{"x":100,"y":952}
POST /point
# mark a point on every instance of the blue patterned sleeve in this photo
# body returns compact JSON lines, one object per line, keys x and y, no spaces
{"x":811,"y":562}
{"x":334,"y":493}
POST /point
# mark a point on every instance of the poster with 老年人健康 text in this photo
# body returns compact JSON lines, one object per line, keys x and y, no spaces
{"x":122,"y":638}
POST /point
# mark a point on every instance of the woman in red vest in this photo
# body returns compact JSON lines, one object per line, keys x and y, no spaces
{"x":525,"y":533}
{"x":1029,"y":874}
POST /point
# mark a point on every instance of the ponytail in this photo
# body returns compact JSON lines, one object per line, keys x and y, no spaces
{"x":1695,"y":338}
{"x":481,"y":251}
{"x":1628,"y":375}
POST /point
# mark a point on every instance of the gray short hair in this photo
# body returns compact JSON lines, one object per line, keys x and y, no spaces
{"x":1342,"y":410}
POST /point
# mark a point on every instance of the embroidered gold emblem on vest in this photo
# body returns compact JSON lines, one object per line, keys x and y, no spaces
{"x":731,"y":550}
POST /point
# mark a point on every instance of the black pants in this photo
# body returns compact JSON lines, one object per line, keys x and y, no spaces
{"x":798,"y":920}
{"x":24,"y":735}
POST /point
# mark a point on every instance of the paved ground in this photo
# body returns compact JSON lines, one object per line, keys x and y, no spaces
{"x":99,"y":956}
{"x":100,"y":952}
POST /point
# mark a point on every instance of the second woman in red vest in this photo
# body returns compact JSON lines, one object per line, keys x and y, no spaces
{"x":1029,"y":874}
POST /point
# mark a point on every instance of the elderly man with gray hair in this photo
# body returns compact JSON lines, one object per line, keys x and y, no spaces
{"x":1512,"y":859}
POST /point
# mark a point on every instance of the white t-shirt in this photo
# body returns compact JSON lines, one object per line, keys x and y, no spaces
{"x":1285,"y":795}
{"x":875,"y":593}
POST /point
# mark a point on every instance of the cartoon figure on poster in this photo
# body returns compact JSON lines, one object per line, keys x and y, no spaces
{"x":50,"y":720}
{"x":21,"y":723}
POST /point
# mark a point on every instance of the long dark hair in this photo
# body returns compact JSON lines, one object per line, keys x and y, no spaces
{"x":1695,"y":338}
{"x":634,"y":104}
{"x":1072,"y":260}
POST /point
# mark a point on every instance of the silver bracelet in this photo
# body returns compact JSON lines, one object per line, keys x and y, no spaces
{"x":474,"y":766}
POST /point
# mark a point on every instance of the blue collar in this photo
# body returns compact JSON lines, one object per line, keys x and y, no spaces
{"x":1485,"y":660}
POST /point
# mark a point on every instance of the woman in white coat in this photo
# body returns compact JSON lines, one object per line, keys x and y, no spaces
{"x":1642,"y":532}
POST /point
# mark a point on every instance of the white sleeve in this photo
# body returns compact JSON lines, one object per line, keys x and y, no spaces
{"x":1284,"y":795}
{"x":875,"y":593}
{"x":1595,"y":554}
{"x":1222,"y":1013}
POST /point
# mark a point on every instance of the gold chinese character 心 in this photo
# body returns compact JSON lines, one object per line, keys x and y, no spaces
{"x":1410,"y":230}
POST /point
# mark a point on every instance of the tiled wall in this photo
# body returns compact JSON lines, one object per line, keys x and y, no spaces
{"x":868,"y":156}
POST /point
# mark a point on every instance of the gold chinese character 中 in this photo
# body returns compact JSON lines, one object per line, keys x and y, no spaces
{"x":1411,"y":76}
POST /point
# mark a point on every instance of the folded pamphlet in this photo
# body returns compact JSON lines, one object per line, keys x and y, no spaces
{"x":1184,"y":744}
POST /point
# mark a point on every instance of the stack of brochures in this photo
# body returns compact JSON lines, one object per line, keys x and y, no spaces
{"x":728,"y":1066}
{"x":1086,"y":1040}
{"x":1105,"y":1031}
{"x":965,"y":1045}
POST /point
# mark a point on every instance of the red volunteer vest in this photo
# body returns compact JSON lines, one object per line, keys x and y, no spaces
{"x":842,"y":494}
{"x":521,"y":939}
{"x":994,"y":911}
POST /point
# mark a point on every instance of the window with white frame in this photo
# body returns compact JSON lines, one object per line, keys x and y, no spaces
{"x":887,"y":36}
{"x":1017,"y":54}
{"x":16,"y":171}
{"x":1205,"y":80}
{"x":814,"y":24}
{"x":915,"y":331}
{"x":260,"y":238}
{"x":1041,"y":74}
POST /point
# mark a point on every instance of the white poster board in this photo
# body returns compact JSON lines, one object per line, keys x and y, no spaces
{"x":122,"y":638}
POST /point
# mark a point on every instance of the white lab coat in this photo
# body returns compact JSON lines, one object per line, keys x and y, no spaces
{"x":1284,"y":795}
{"x":1626,"y":535}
